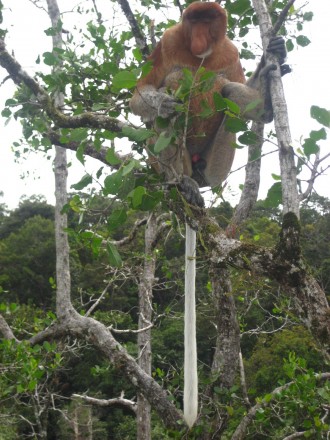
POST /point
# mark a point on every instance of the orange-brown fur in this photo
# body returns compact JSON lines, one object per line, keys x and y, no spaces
{"x":179,"y":48}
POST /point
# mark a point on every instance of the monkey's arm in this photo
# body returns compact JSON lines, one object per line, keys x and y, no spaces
{"x":257,"y":87}
{"x":149,"y":103}
{"x":149,"y":99}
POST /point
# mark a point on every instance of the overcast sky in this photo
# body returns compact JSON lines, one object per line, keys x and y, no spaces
{"x":307,"y":85}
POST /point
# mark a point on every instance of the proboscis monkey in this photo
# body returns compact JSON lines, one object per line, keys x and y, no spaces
{"x":206,"y":155}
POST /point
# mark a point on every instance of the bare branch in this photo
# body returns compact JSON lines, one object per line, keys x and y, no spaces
{"x":140,"y":330}
{"x":97,"y":302}
{"x":281,"y":18}
{"x":107,"y":402}
{"x":101,"y":338}
{"x":138,"y":35}
{"x":133,"y":232}
{"x":296,"y":435}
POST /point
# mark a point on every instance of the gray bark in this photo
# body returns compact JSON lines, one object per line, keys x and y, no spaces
{"x":145,"y":317}
{"x":251,"y":183}
{"x":63,"y":278}
{"x":290,"y":197}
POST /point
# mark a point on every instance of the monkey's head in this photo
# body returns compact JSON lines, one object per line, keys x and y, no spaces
{"x":204,"y":24}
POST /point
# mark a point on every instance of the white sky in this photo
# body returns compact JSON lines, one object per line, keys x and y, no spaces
{"x":307,"y":85}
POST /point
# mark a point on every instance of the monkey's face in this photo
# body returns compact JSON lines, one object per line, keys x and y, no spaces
{"x":204,"y":24}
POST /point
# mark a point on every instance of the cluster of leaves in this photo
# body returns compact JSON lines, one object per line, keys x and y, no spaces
{"x":24,"y":367}
{"x":300,"y":406}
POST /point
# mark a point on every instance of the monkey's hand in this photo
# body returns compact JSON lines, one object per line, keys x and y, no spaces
{"x":157,"y":103}
{"x":190,"y":191}
{"x":277,"y":47}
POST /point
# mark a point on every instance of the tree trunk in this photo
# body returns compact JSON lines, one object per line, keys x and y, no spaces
{"x":144,"y":336}
{"x":63,"y":278}
{"x":290,"y":198}
{"x":225,"y":359}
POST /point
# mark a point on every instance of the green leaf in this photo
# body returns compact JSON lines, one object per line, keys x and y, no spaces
{"x":79,"y":134}
{"x":117,"y":218}
{"x":289,"y":45}
{"x":234,"y":125}
{"x":132,"y":164}
{"x":96,"y":243}
{"x":162,"y":142}
{"x":6,"y":113}
{"x":107,"y":68}
{"x":137,"y":196}
{"x":85,"y":181}
{"x":151,"y":200}
{"x":232,"y":106}
{"x":113,"y":183}
{"x":111,"y":157}
{"x":247,"y":54}
{"x":219,"y":102}
{"x":47,"y":346}
{"x":207,"y":111}
{"x":274,"y":196}
{"x":80,"y":153}
{"x":124,"y":80}
{"x":137,"y":134}
{"x":308,"y":16}
{"x":303,"y":41}
{"x":310,"y":147}
{"x":137,"y":54}
{"x":321,"y":115}
{"x":318,"y":135}
{"x":248,"y":138}
{"x":50,"y":59}
{"x":11,"y":102}
{"x":252,"y":105}
{"x":113,"y":255}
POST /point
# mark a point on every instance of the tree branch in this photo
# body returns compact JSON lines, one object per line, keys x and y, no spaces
{"x":100,"y":337}
{"x":138,"y":35}
{"x":89,"y":149}
{"x":282,"y":16}
{"x":87,"y":119}
{"x":107,"y":402}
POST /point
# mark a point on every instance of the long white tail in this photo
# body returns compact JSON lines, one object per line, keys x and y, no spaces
{"x":190,"y":392}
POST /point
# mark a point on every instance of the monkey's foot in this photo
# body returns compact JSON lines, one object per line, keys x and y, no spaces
{"x":190,"y":191}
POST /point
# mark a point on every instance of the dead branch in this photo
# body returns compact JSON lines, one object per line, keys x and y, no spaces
{"x":107,"y":402}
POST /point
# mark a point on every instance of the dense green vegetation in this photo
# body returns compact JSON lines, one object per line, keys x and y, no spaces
{"x":276,"y":349}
